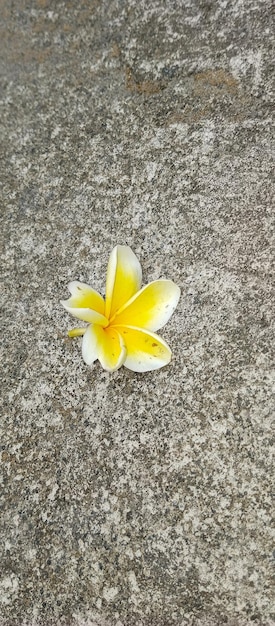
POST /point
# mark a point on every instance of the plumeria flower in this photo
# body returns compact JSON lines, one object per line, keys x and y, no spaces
{"x":122,"y":328}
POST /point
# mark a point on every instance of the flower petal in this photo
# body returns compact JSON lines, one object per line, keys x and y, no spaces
{"x":151,"y":307}
{"x":145,"y":351}
{"x":84,"y":296}
{"x":86,"y":315}
{"x":90,"y":343}
{"x":111,"y":349}
{"x":123,"y":278}
{"x":104,"y":344}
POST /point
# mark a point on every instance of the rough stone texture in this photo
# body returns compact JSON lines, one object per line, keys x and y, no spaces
{"x":137,"y":500}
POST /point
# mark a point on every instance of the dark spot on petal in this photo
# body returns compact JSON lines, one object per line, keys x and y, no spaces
{"x":154,"y":345}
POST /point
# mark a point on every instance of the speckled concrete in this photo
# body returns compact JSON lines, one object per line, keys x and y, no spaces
{"x":137,"y":500}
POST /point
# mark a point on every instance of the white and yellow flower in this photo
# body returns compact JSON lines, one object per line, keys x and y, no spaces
{"x":122,"y":328}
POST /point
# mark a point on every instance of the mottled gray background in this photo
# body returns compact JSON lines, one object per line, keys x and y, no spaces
{"x":137,"y":500}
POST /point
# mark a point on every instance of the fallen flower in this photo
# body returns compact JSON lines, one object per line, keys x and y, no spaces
{"x":122,"y":328}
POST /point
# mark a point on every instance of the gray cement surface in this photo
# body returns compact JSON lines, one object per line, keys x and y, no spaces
{"x":137,"y":499}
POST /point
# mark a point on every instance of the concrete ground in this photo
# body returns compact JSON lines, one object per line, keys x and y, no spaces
{"x":137,"y":499}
